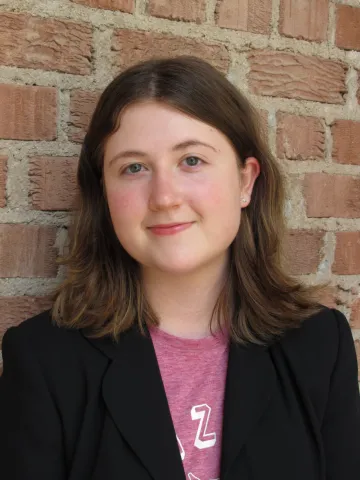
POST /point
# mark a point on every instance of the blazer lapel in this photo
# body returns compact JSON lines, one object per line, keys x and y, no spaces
{"x":249,"y":384}
{"x":135,"y":397}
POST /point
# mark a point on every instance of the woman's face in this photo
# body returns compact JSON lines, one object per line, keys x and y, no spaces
{"x":163,"y":168}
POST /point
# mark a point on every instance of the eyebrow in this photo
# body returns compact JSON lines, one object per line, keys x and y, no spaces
{"x":177,"y":147}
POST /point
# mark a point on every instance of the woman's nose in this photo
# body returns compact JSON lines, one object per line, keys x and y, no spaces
{"x":165,"y":192}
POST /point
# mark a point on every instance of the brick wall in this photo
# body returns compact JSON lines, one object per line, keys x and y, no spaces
{"x":299,"y":61}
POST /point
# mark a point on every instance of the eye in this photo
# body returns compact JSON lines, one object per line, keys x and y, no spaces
{"x":193,"y":161}
{"x":132,"y":169}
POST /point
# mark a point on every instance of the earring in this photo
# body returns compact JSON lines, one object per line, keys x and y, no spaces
{"x":244,"y":200}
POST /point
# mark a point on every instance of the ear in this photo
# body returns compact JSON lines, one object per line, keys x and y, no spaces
{"x":248,"y":174}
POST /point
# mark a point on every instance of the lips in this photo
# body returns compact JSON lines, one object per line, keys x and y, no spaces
{"x":169,"y":228}
{"x":168,"y":225}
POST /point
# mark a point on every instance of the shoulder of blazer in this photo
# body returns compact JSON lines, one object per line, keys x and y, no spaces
{"x":57,"y":349}
{"x":311,"y":353}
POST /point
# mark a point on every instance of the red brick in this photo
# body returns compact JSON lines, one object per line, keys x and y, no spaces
{"x":303,"y":251}
{"x":332,"y":195}
{"x":135,"y":46}
{"x":279,"y":74}
{"x":304,"y":19}
{"x":122,"y":5}
{"x":28,"y":113}
{"x":347,"y":253}
{"x":346,"y":141}
{"x":264,"y":121}
{"x":355,"y":314}
{"x":248,"y":15}
{"x":3,"y":176}
{"x":15,"y":310}
{"x":300,"y":138}
{"x":53,"y":182}
{"x":188,"y":10}
{"x":45,"y":43}
{"x":347,"y":27}
{"x":82,"y":106}
{"x":27,"y":251}
{"x":358,"y":89}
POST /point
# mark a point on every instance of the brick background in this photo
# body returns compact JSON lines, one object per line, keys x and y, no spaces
{"x":122,"y":5}
{"x":28,"y":113}
{"x":49,"y":44}
{"x":27,"y":251}
{"x":303,"y":251}
{"x":304,"y":19}
{"x":53,"y":182}
{"x":347,"y":27}
{"x":332,"y":195}
{"x":3,"y":177}
{"x":248,"y":15}
{"x":278,"y":74}
{"x":346,"y":141}
{"x":300,"y":138}
{"x":188,"y":10}
{"x":132,"y":46}
{"x":82,"y":106}
{"x":298,"y":61}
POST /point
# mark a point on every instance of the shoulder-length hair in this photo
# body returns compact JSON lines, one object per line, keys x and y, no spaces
{"x":102,"y":291}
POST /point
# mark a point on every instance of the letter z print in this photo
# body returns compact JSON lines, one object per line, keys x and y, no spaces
{"x":203,"y":438}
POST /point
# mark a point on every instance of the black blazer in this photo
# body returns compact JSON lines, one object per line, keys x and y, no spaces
{"x":73,"y":408}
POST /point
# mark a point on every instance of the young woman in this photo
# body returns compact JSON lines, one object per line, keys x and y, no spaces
{"x":178,"y":347}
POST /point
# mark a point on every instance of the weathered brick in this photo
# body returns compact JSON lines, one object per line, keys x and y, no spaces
{"x":15,"y":310}
{"x":122,"y":5}
{"x":287,"y":75}
{"x":347,"y":27}
{"x":347,"y":253}
{"x":45,"y":43}
{"x":134,"y":46}
{"x":346,"y":141}
{"x":355,"y":314}
{"x":358,"y":89}
{"x":302,"y":250}
{"x":247,"y":15}
{"x":188,"y":10}
{"x":28,"y":113}
{"x":304,"y":19}
{"x":53,"y":182}
{"x":3,"y":176}
{"x":300,"y":138}
{"x":82,"y":106}
{"x":332,"y":195}
{"x":27,"y":251}
{"x":264,"y":121}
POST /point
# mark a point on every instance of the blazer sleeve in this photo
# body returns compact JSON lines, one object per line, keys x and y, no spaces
{"x":30,"y":427}
{"x":341,"y":424}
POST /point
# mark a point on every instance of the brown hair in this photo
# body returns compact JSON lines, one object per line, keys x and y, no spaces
{"x":102,"y":291}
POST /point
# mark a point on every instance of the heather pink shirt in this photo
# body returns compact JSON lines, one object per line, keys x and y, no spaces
{"x":194,"y":373}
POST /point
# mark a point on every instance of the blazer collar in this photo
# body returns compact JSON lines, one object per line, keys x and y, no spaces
{"x":135,"y":397}
{"x":249,"y":386}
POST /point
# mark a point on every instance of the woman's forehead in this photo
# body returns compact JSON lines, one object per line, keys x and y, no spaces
{"x":151,"y":125}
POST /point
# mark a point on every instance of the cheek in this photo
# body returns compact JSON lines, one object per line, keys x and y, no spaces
{"x":213,"y":195}
{"x":124,"y":205}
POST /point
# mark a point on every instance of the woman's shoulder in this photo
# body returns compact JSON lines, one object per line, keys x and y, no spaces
{"x":316,"y":345}
{"x":43,"y":338}
{"x":322,"y":328}
{"x":39,"y":327}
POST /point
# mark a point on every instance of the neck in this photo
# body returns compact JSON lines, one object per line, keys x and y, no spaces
{"x":184,"y":303}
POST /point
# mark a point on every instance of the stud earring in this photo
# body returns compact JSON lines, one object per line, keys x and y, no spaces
{"x":244,"y":200}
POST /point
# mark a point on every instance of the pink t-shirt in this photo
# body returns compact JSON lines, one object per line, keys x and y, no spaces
{"x":194,"y":374}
